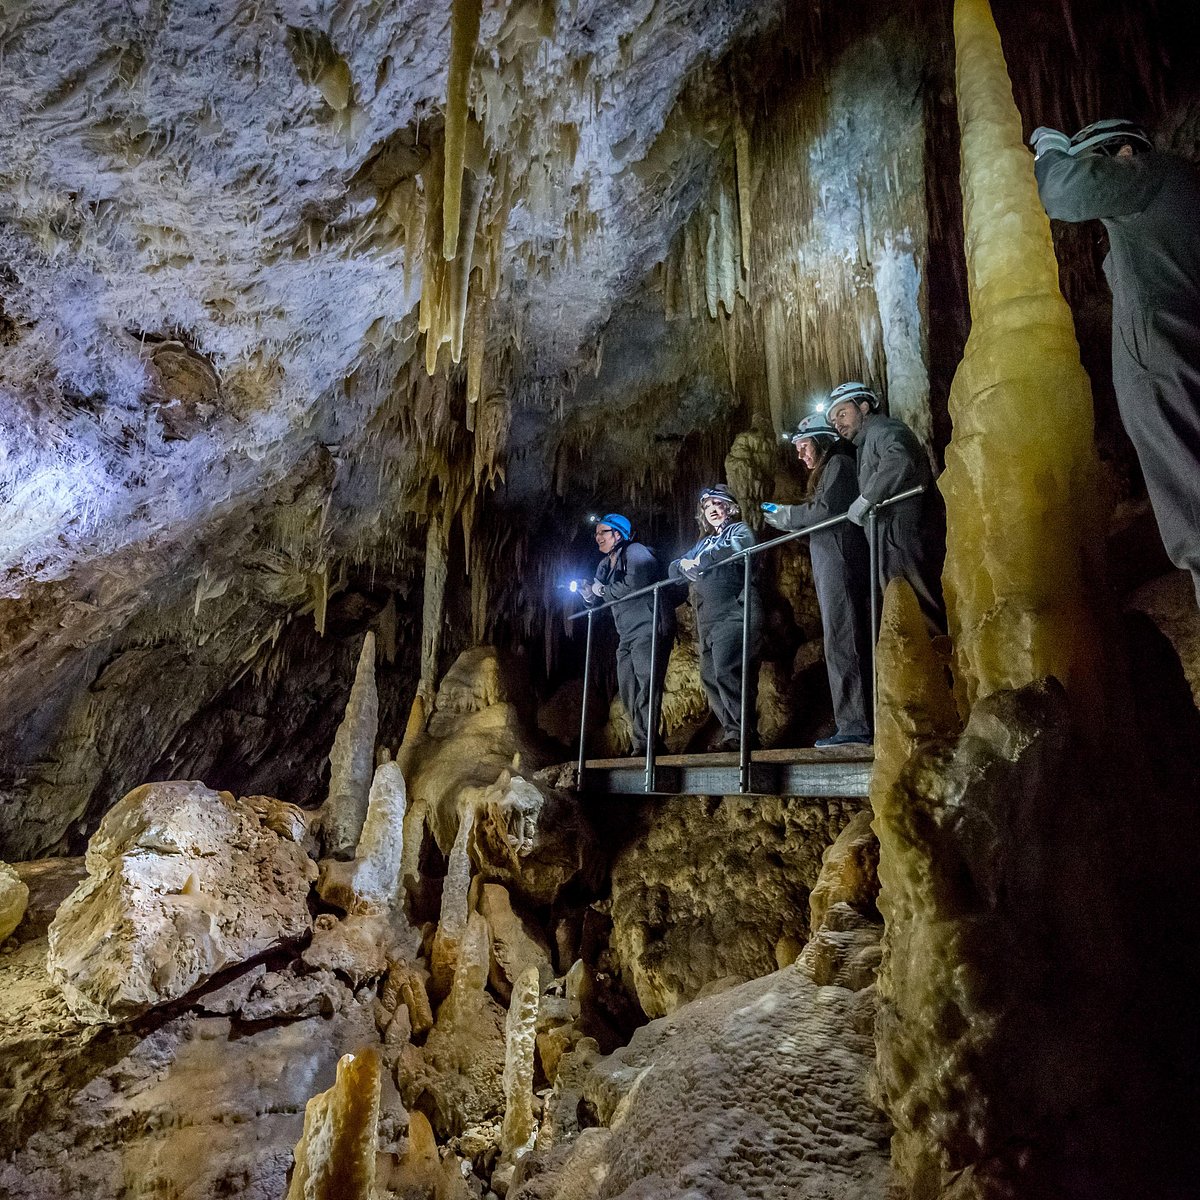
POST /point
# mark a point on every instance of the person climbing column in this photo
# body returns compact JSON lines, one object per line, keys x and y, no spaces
{"x":1149,"y":201}
{"x":628,"y":566}
{"x":841,"y":570}
{"x":890,"y":460}
{"x":718,"y":594}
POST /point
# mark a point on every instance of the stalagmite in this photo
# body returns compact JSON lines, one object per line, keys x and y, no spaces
{"x":452,"y":921}
{"x":1020,"y":480}
{"x":464,"y":35}
{"x":518,"y":1130}
{"x":437,"y":551}
{"x":468,"y":987}
{"x":352,"y":760}
{"x":371,"y":882}
{"x":335,"y":1157}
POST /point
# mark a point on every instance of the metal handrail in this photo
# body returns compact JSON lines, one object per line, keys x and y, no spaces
{"x":745,"y":556}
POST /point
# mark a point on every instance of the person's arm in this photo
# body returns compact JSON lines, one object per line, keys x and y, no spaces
{"x":836,"y":491}
{"x":682,"y":569}
{"x":1096,"y":186}
{"x":741,"y":537}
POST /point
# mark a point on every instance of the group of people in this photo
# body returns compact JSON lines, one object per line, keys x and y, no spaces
{"x":857,"y":458}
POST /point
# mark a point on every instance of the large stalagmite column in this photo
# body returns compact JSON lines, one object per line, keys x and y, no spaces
{"x":1020,"y":479}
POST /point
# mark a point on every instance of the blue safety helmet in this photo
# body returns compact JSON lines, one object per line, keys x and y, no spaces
{"x":1108,"y":136}
{"x":858,"y":393}
{"x":814,"y":426}
{"x":621,"y":524}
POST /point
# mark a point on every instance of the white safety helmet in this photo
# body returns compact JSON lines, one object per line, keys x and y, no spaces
{"x":858,"y":393}
{"x":1109,"y":135}
{"x":815,"y":427}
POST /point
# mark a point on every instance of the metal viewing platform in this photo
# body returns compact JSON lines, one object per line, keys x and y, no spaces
{"x":838,"y":771}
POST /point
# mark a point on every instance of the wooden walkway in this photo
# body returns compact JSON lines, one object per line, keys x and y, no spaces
{"x":835,"y":771}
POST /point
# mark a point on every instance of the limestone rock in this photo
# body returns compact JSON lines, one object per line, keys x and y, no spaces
{"x":50,"y":881}
{"x":14,"y":898}
{"x":355,"y":946}
{"x":182,"y":882}
{"x":335,"y":1157}
{"x":710,"y":888}
{"x":754,"y":1094}
{"x":517,"y":1134}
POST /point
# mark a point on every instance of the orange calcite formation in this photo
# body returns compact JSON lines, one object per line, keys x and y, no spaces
{"x":1020,"y":479}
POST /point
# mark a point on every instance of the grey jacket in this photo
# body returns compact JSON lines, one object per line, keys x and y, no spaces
{"x":1150,"y":205}
{"x":890,"y":459}
{"x":717,"y":590}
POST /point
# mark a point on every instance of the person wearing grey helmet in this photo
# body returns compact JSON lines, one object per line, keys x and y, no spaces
{"x":1149,"y":202}
{"x":889,"y":460}
{"x":840,"y":568}
{"x":628,"y":566}
{"x":718,"y":597}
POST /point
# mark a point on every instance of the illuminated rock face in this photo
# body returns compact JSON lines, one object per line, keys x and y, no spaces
{"x":1020,"y":482}
{"x":714,"y":889}
{"x":182,"y":882}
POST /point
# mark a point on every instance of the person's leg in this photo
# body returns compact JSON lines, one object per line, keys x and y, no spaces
{"x":627,"y":687}
{"x":906,"y":552}
{"x":727,"y":669}
{"x":840,"y":608}
{"x":709,"y":676}
{"x":639,"y":652}
{"x":1160,"y":408}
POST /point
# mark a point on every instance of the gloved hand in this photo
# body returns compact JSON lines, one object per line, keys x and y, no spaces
{"x":688,"y":567}
{"x":591,"y":590}
{"x":768,"y":507}
{"x":858,"y":510}
{"x":1044,"y":138}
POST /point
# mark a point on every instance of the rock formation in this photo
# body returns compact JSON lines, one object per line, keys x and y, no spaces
{"x":182,"y":882}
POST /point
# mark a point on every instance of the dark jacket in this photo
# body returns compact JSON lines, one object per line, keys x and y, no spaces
{"x":630,"y":568}
{"x":842,"y":550}
{"x":1150,"y":205}
{"x":717,"y":591}
{"x":889,"y":458}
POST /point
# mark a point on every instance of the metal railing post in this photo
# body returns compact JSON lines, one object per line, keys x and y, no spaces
{"x":651,"y":707}
{"x":873,"y":560}
{"x":583,"y":707}
{"x":744,"y":739}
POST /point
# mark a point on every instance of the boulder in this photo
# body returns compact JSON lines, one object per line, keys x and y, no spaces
{"x":183,"y":881}
{"x":14,"y":899}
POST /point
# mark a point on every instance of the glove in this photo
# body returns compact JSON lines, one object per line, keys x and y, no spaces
{"x":768,"y":507}
{"x":858,"y":510}
{"x":1043,"y":139}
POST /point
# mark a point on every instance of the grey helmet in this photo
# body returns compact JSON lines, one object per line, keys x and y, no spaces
{"x":859,"y":393}
{"x":815,"y":427}
{"x":1109,"y":135}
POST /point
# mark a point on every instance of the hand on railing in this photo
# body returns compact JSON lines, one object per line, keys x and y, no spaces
{"x":857,"y":512}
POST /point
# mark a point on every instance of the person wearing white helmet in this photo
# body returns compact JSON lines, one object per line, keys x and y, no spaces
{"x":717,"y":595}
{"x":889,"y":460}
{"x":1149,"y":202}
{"x":628,"y":566}
{"x":840,"y":569}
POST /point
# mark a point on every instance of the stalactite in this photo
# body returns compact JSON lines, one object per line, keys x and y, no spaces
{"x":318,"y":584}
{"x":459,"y":273}
{"x":464,"y":36}
{"x":518,"y":1130}
{"x":335,"y":1157}
{"x":476,"y":349}
{"x":741,"y":145}
{"x":437,"y":550}
{"x":387,"y":629}
{"x":1020,"y":480}
{"x":712,"y":274}
{"x":352,"y":760}
{"x":727,"y":253}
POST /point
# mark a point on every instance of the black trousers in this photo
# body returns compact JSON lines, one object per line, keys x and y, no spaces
{"x":633,"y":680}
{"x":721,"y":669}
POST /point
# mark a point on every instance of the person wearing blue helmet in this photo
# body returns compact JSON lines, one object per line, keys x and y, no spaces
{"x":628,"y":566}
{"x":891,"y":460}
{"x":1149,"y":202}
{"x":718,"y":597}
{"x":840,"y":568}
